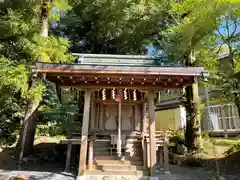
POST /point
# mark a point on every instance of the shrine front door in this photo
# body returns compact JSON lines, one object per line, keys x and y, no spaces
{"x":111,"y":117}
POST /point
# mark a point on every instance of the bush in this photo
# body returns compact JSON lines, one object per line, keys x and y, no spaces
{"x":233,"y":148}
{"x":58,"y":119}
{"x":177,"y":133}
{"x":49,"y":129}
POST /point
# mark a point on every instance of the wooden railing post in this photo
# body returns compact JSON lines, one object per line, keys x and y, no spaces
{"x":166,"y":157}
{"x":160,"y":157}
{"x":68,"y":157}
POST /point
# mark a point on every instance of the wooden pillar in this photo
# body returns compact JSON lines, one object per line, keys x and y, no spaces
{"x":97,"y":124}
{"x":92,"y":116}
{"x":90,"y":154}
{"x":144,"y":147}
{"x":144,"y":139}
{"x":119,"y":141}
{"x":101,"y":120}
{"x":151,"y":112}
{"x":84,"y":139}
{"x":144,"y":118}
{"x":148,"y":154}
{"x":68,"y":157}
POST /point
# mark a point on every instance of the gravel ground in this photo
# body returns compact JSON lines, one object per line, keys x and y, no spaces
{"x":37,"y":175}
{"x":177,"y":173}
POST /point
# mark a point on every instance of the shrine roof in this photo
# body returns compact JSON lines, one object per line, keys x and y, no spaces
{"x":119,"y":70}
{"x":125,"y":60}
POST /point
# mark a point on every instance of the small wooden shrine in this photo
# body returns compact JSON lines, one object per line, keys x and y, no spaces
{"x":118,"y":127}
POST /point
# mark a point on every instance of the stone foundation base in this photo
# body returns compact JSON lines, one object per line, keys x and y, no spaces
{"x":112,"y":177}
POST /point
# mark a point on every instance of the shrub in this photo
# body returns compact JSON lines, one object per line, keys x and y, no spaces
{"x":49,"y":129}
{"x":233,"y":148}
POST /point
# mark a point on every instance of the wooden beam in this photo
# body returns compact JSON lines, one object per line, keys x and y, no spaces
{"x":113,"y":102}
{"x":84,"y":139}
{"x":151,"y":112}
{"x":133,"y":78}
{"x":145,"y":86}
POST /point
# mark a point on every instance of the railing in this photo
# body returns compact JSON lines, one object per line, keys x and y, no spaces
{"x":221,"y":118}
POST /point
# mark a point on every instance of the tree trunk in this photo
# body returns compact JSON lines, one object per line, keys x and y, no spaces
{"x":235,"y":83}
{"x":28,"y":128}
{"x":26,"y":139}
{"x":192,"y":132}
{"x":193,"y":125}
{"x":27,"y":132}
{"x":236,"y":95}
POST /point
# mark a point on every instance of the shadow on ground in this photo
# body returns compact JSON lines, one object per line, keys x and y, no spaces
{"x":47,"y":162}
{"x":228,"y":165}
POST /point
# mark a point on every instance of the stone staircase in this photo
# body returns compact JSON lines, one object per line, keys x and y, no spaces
{"x":131,"y":165}
{"x":112,"y":165}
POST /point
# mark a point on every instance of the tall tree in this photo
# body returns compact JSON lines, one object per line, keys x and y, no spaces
{"x":193,"y":22}
{"x":111,"y":26}
{"x":227,"y":39}
{"x":23,"y":41}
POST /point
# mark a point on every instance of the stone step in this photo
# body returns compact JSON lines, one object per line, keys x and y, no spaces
{"x":119,"y":162}
{"x":134,"y":154}
{"x":104,"y":154}
{"x":101,"y":149}
{"x":117,"y":158}
{"x":121,"y":168}
{"x":134,"y":149}
{"x":137,"y":145}
{"x":118,"y":173}
{"x":101,"y":144}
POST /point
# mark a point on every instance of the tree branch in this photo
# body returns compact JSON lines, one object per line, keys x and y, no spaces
{"x":220,"y":48}
{"x":235,"y":29}
{"x":222,"y":36}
